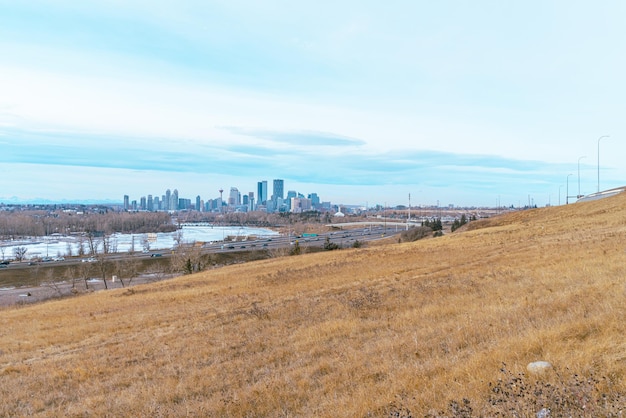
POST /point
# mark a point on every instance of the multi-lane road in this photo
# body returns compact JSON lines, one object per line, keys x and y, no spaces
{"x":343,"y":238}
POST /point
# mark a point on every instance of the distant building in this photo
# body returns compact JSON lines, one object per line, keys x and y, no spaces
{"x":234,"y":197}
{"x":174,"y":200}
{"x":278,"y":195}
{"x":290,"y":195}
{"x":251,"y":201}
{"x":261,"y":192}
{"x":126,"y":202}
{"x":300,"y":204}
{"x":315,"y":200}
{"x":167,"y":200}
{"x":184,"y":204}
{"x":278,"y":191}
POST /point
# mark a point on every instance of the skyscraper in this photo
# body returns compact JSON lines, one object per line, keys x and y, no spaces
{"x":234,"y":197}
{"x":126,"y":202}
{"x":278,"y":189}
{"x":168,"y":200}
{"x":251,"y":201}
{"x":290,"y":195}
{"x":174,"y":201}
{"x":261,"y":192}
{"x":315,"y":200}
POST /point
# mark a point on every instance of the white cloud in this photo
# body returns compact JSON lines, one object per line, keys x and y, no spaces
{"x":516,"y":81}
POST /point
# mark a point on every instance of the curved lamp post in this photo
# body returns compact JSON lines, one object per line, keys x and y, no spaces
{"x":603,"y":136}
{"x":567,"y":190}
{"x":580,"y":158}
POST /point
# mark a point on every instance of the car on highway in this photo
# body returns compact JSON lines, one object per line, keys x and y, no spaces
{"x":156,"y":255}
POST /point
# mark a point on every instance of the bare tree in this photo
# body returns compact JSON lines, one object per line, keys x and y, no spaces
{"x":72,"y":275}
{"x":187,"y":259}
{"x":178,"y":238}
{"x":131,"y":250}
{"x":81,"y":246}
{"x":68,"y":249}
{"x":50,"y":283}
{"x":82,"y":272}
{"x":106,"y":244}
{"x":19,"y":253}
{"x":101,"y":262}
{"x":93,"y":243}
{"x":128,"y":269}
{"x":156,"y":272}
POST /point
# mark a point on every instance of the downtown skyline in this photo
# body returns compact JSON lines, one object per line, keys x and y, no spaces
{"x":280,"y":200}
{"x":365,"y":103}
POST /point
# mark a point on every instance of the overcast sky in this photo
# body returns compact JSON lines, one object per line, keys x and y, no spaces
{"x":362,"y":102}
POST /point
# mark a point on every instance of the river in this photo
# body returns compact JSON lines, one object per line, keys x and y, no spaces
{"x":61,"y":245}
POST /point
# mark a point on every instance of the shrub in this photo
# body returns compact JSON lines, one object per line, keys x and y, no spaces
{"x":329,"y":246}
{"x":459,"y":223}
{"x":295,"y":250}
{"x":415,"y":234}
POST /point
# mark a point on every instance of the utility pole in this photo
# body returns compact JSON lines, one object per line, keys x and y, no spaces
{"x":580,"y":158}
{"x":409,"y":218}
{"x":603,"y":136}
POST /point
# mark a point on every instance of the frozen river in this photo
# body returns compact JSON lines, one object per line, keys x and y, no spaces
{"x":69,"y":245}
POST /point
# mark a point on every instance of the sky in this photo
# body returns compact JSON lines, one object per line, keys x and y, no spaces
{"x":362,"y":102}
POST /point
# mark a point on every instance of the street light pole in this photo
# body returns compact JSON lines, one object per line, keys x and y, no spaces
{"x":580,"y":158}
{"x":603,"y":136}
{"x":567,"y":190}
{"x":408,"y":220}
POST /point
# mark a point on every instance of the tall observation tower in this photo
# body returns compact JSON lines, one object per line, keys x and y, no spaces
{"x":221,"y":191}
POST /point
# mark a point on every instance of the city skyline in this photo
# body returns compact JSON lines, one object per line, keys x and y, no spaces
{"x":235,"y":200}
{"x":462,"y":103}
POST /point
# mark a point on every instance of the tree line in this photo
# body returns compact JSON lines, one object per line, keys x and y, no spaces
{"x":38,"y":223}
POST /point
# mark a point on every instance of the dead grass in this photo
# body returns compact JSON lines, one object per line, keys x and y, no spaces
{"x":397,"y":330}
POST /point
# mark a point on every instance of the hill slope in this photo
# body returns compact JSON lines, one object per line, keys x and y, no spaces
{"x":398,"y":329}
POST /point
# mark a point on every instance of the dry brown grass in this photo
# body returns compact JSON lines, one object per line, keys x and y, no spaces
{"x":382,"y":331}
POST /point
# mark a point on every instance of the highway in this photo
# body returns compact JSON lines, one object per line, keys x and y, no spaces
{"x":343,"y":238}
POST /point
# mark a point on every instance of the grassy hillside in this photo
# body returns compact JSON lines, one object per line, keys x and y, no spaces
{"x":398,"y":330}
